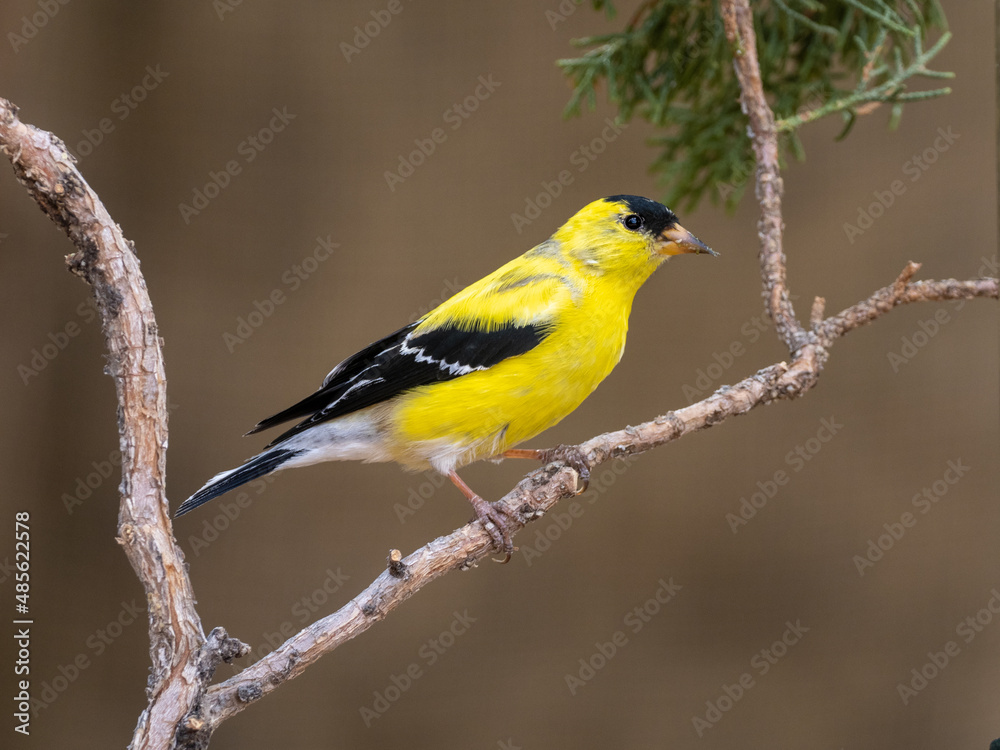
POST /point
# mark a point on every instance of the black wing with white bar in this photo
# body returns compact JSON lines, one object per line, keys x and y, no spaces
{"x":402,"y":361}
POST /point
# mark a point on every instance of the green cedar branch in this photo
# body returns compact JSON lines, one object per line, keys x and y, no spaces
{"x":668,"y":65}
{"x":890,"y":91}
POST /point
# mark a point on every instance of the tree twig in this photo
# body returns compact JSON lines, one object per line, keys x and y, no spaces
{"x":902,"y":292}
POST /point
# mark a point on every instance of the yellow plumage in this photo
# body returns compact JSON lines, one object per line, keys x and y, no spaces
{"x":495,"y":365}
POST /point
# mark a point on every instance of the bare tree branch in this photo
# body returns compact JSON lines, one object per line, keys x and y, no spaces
{"x":737,"y":19}
{"x":901,"y":292}
{"x":107,"y":261}
{"x":539,"y":492}
{"x":184,"y":710}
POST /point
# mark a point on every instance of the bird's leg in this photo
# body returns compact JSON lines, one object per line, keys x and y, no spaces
{"x":567,"y":454}
{"x":494,"y":521}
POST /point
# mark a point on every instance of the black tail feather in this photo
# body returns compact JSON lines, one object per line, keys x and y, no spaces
{"x":257,"y":466}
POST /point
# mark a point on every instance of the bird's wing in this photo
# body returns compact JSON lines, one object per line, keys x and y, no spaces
{"x":436,"y":348}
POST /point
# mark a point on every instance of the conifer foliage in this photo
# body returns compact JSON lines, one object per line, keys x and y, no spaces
{"x":672,"y":66}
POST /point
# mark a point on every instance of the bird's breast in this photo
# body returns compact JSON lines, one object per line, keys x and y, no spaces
{"x":479,"y":415}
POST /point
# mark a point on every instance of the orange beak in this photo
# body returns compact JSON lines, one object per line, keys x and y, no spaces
{"x":677,"y":240}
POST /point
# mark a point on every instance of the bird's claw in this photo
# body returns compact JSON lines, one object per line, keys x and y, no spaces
{"x":571,"y":456}
{"x":498,"y":526}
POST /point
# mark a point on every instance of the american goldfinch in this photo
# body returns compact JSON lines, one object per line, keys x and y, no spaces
{"x":496,"y":364}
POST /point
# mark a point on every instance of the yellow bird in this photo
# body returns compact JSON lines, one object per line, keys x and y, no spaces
{"x":501,"y":361}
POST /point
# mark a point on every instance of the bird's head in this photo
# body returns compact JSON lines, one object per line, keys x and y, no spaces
{"x":627,"y":235}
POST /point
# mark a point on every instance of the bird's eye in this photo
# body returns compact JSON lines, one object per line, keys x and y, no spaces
{"x":633,"y":222}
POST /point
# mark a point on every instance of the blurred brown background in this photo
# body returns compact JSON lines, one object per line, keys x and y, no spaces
{"x":217,"y":75}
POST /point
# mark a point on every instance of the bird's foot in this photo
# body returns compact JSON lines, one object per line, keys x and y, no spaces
{"x":570,"y":455}
{"x":497,"y":525}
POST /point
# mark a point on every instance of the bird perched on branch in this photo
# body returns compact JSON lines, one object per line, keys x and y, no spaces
{"x":493,"y":366}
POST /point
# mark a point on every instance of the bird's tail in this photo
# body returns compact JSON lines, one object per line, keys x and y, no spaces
{"x":257,"y":466}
